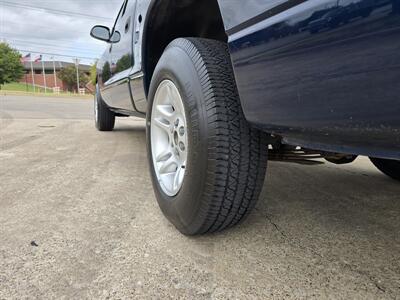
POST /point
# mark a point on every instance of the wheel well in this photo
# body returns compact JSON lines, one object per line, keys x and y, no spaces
{"x":170,"y":19}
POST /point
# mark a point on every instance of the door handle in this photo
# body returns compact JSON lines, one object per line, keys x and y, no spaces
{"x":127,"y":25}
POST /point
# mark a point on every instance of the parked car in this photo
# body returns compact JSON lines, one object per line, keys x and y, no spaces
{"x":217,"y":92}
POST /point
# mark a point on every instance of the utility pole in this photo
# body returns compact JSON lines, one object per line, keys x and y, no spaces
{"x":77,"y":72}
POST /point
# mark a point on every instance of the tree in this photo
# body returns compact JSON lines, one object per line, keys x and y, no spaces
{"x":93,"y":73}
{"x":124,"y":63}
{"x":11,"y":68}
{"x":68,"y":76}
{"x":106,"y":72}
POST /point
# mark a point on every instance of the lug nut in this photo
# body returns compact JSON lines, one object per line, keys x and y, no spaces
{"x":181,"y":131}
{"x":182,"y":146}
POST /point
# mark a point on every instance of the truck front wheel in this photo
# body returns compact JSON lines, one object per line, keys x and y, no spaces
{"x":207,"y":164}
{"x":104,"y":118}
{"x":387,"y":166}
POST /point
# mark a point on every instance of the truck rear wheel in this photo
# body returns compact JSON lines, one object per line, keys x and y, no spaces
{"x":207,"y":164}
{"x":389,"y":167}
{"x":104,"y":118}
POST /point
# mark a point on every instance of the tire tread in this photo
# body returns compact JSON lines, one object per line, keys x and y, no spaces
{"x":106,"y":118}
{"x":237,"y":153}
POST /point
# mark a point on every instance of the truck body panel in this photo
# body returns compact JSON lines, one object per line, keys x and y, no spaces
{"x":321,"y":74}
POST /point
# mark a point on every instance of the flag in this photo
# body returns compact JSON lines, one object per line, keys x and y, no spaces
{"x":38,"y":59}
{"x":26,"y":58}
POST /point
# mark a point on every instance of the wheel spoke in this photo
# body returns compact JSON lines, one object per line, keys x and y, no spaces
{"x":177,"y":177}
{"x":162,"y":123}
{"x":169,"y":95}
{"x":164,"y":156}
{"x":168,"y":180}
{"x":166,"y":111}
{"x":174,"y":97}
{"x":165,"y":168}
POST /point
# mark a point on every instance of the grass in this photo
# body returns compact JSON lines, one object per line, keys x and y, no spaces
{"x":22,"y":88}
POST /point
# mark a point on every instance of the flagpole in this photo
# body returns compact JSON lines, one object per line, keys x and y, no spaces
{"x":55,"y":74}
{"x":33,"y":77}
{"x":44,"y":76}
{"x":23,"y":61}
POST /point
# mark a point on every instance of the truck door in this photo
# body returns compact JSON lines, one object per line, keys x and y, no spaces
{"x":121,"y":60}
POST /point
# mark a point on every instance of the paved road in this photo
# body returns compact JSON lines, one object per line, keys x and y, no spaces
{"x":85,"y":202}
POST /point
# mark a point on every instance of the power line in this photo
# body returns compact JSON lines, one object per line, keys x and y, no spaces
{"x":46,"y":28}
{"x":56,"y":54}
{"x":54,"y":11}
{"x":28,"y":37}
{"x":70,"y":53}
{"x":17,"y":41}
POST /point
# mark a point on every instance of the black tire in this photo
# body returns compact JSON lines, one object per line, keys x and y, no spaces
{"x":226,"y":158}
{"x":341,"y":160}
{"x":389,"y":167}
{"x":105,"y":118}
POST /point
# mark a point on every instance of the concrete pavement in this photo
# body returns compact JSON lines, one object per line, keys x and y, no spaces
{"x":78,"y":219}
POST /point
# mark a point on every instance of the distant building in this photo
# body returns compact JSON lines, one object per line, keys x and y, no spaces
{"x":49,"y":71}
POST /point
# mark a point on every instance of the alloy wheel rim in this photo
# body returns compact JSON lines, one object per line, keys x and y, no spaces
{"x":96,"y":108}
{"x":169,"y":142}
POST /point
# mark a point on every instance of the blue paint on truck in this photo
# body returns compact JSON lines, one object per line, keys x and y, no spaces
{"x":321,"y":74}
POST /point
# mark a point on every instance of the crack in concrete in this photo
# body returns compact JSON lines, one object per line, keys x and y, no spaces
{"x":366,"y":275}
{"x":276,"y":226}
{"x":291,"y":240}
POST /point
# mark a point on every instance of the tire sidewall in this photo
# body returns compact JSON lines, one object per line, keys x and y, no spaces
{"x":105,"y":119}
{"x":184,"y":210}
{"x":96,"y":107}
{"x":388,"y":167}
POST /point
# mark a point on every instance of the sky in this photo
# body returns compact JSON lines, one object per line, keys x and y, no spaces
{"x":60,"y":27}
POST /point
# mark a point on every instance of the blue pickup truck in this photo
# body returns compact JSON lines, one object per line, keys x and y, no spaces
{"x":225,"y":85}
